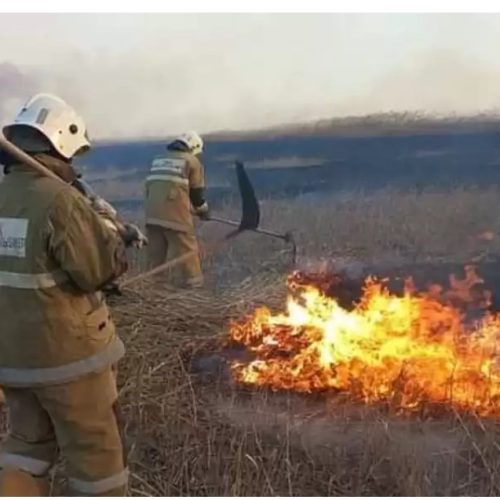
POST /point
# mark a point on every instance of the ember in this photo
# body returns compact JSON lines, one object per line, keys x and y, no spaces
{"x":412,"y":348}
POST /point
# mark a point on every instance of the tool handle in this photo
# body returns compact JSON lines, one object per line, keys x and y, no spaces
{"x":256,"y":230}
{"x":170,"y":264}
{"x":159,"y":269}
{"x":224,"y":221}
{"x":272,"y":233}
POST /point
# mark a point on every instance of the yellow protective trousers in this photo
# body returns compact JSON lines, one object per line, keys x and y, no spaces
{"x":167,"y":244}
{"x":79,"y":419}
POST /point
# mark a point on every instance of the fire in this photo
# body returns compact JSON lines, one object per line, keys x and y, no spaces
{"x":407,"y":349}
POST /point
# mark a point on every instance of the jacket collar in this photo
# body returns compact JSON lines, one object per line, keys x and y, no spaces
{"x":61,"y":168}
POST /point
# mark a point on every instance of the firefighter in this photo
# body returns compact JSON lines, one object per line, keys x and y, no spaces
{"x":174,"y":190}
{"x":58,"y":344}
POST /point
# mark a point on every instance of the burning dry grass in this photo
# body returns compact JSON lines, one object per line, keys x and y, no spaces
{"x":434,"y":346}
{"x":201,"y":435}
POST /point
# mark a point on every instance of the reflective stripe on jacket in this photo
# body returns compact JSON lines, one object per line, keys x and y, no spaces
{"x":167,"y":190}
{"x":55,"y":254}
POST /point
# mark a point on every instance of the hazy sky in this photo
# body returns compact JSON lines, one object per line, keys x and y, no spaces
{"x":157,"y":74}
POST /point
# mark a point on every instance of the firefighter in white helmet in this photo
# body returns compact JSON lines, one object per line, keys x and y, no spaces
{"x":57,"y":340}
{"x":174,"y":191}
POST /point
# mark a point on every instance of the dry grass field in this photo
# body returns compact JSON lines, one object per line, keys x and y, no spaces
{"x":386,"y":226}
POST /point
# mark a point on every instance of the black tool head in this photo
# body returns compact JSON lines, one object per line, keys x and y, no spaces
{"x":250,"y":212}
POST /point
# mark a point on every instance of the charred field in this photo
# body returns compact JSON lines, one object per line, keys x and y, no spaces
{"x":193,"y":429}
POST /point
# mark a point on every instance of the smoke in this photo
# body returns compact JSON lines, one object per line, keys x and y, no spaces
{"x":439,"y":81}
{"x":141,"y":97}
{"x":16,"y":85}
{"x":152,"y":76}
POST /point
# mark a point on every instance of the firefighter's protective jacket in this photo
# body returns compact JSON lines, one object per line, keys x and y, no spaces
{"x":169,"y":185}
{"x":55,"y":254}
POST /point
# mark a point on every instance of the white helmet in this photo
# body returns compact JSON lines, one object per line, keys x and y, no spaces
{"x":193,"y":141}
{"x":56,"y":121}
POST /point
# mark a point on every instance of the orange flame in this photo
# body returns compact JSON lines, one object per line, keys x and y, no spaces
{"x":407,"y":349}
